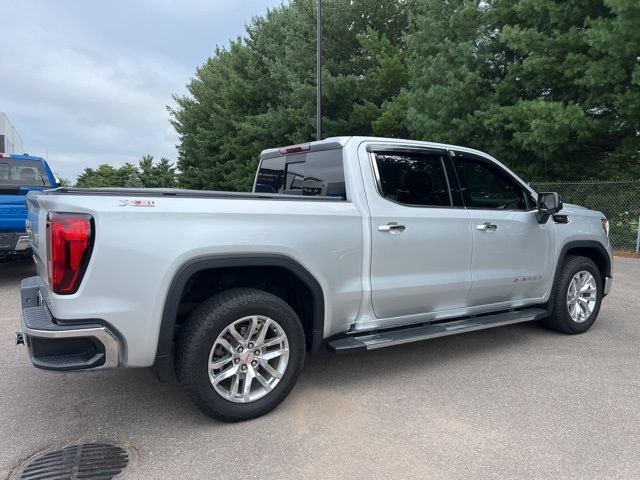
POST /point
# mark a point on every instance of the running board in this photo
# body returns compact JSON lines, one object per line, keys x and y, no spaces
{"x":383,"y":339}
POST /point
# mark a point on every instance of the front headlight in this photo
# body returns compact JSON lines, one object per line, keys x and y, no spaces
{"x":605,"y":226}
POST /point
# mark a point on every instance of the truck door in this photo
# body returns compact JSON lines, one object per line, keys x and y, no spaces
{"x":512,"y":253}
{"x":421,"y":235}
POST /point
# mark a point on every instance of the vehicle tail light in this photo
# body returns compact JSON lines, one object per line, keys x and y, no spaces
{"x":70,"y":240}
{"x":605,"y":226}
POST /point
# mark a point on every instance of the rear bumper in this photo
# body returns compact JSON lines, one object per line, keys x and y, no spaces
{"x":13,"y":242}
{"x":22,"y":243}
{"x":56,"y":346}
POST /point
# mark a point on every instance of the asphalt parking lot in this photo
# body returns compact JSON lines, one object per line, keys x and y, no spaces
{"x":513,"y":402}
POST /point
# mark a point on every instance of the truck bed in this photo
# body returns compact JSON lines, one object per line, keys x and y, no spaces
{"x":142,"y":237}
{"x":180,"y":193}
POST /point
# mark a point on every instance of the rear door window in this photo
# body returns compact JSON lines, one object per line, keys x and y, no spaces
{"x":413,"y":178}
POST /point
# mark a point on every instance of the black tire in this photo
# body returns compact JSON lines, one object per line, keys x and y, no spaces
{"x":199,"y":334}
{"x":560,"y":319}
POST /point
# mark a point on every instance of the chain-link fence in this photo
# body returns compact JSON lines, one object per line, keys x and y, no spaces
{"x":618,"y":200}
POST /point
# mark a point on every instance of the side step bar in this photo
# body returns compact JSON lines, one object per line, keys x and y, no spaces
{"x":389,"y":338}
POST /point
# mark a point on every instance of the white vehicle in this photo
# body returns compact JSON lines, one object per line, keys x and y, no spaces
{"x":360,"y":242}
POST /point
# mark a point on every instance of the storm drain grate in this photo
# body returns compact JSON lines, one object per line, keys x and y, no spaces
{"x":86,"y":461}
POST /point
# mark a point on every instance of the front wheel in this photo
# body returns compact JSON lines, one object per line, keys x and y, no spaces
{"x":577,"y":296}
{"x":239,"y":354}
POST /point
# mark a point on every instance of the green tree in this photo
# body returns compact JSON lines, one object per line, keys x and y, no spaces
{"x":123,"y":174}
{"x":134,"y":180}
{"x":546,"y":86}
{"x":147,"y":171}
{"x":165,"y":174}
{"x":550,"y":87}
{"x":613,"y":77}
{"x":260,"y":91}
{"x":103,"y":176}
{"x":145,"y":175}
{"x":157,"y":175}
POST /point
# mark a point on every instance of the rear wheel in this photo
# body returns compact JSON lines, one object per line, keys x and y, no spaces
{"x":240,"y":353}
{"x":577,"y":296}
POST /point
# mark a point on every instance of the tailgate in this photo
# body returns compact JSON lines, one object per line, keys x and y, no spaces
{"x":13,"y":211}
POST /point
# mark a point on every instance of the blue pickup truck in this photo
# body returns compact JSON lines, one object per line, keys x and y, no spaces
{"x":19,"y":174}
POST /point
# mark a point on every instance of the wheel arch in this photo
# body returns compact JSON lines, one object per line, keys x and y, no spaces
{"x":587,"y":248}
{"x":189,"y":270}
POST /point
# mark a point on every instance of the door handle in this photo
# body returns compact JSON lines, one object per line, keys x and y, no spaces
{"x":391,"y":227}
{"x":487,"y":226}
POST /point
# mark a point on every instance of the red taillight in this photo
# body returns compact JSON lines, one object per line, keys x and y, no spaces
{"x":69,"y":239}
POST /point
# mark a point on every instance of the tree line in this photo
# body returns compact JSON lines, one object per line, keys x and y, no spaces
{"x":550,"y":87}
{"x":147,"y":174}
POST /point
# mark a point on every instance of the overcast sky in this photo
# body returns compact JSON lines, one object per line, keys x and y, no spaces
{"x":88,"y":82}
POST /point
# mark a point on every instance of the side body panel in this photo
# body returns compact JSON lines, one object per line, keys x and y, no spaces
{"x":150,"y":244}
{"x":583,"y":230}
{"x":525,"y":249}
{"x":424,"y":268}
{"x":513,"y":263}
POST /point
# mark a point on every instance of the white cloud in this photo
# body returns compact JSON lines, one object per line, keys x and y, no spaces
{"x":85,"y":86}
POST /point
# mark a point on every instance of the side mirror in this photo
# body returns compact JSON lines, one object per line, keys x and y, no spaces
{"x":548,"y":204}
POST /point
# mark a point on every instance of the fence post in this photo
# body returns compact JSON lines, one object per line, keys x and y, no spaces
{"x":638,"y":238}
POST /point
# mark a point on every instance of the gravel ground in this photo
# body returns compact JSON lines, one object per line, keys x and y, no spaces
{"x":508,"y":403}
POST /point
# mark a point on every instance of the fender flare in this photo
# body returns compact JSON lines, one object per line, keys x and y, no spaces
{"x":164,"y":351}
{"x":583,"y":244}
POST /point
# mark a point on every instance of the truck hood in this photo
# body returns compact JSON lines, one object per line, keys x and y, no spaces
{"x":571,"y":206}
{"x":571,"y":209}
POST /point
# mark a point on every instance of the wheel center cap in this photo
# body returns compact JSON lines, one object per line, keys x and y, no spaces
{"x":247,"y":356}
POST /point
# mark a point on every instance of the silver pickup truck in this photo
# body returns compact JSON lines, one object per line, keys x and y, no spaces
{"x":355,"y":243}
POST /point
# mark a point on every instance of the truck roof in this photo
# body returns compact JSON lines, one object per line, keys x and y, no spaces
{"x":317,"y":146}
{"x":339,"y":142}
{"x":24,"y":156}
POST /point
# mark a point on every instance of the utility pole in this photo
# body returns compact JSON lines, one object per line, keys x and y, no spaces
{"x":319,"y":73}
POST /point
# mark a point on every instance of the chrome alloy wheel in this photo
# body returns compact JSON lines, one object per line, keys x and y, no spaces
{"x":248,"y":359}
{"x":581,"y":296}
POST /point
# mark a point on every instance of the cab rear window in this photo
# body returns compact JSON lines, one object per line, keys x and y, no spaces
{"x":310,"y":173}
{"x":22,"y":173}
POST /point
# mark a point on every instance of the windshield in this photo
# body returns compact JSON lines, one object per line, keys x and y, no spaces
{"x":22,"y":173}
